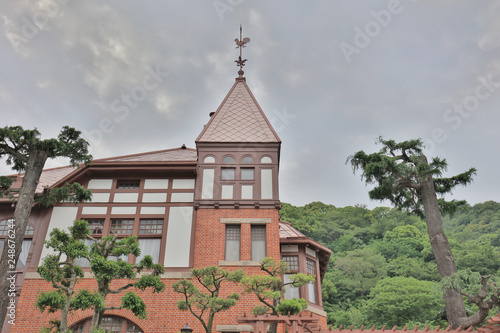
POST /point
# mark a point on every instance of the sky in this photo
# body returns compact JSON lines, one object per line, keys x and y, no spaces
{"x":331,"y":76}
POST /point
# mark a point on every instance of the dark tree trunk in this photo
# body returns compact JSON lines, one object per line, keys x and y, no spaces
{"x":455,"y":307}
{"x":22,"y":212}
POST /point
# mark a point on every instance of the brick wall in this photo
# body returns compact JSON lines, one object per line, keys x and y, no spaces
{"x":163,"y":315}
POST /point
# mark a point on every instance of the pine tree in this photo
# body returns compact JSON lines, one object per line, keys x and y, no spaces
{"x":25,"y":151}
{"x":403,"y":175}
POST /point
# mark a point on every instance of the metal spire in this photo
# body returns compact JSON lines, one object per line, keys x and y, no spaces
{"x":241,"y":44}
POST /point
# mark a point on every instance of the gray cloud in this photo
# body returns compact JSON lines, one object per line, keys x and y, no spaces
{"x":76,"y":63}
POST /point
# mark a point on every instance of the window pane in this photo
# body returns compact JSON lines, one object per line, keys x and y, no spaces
{"x":311,"y":266}
{"x":5,"y":226}
{"x":311,"y":290}
{"x":227,"y":174}
{"x":293,"y":262}
{"x":265,"y":159}
{"x":209,"y":159}
{"x":151,"y":227}
{"x":233,"y":236}
{"x":247,"y":159}
{"x":96,"y":226}
{"x":112,"y":324}
{"x":227,"y":192}
{"x":228,"y":159}
{"x":149,"y":246}
{"x":247,"y":191}
{"x":121,"y":227}
{"x":290,"y":292}
{"x":82,"y":262}
{"x":247,"y":174}
{"x":266,"y":179}
{"x":21,"y":262}
{"x":258,"y":242}
{"x":128,"y":184}
{"x":79,"y":329}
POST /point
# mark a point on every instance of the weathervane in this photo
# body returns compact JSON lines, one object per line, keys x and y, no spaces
{"x":241,"y":44}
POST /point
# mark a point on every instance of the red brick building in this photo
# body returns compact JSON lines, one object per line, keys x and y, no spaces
{"x":217,"y":204}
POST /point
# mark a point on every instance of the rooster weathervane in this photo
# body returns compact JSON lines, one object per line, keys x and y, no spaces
{"x":241,"y":44}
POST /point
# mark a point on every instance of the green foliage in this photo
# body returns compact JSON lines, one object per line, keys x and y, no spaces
{"x":401,"y":239}
{"x":70,"y":192}
{"x":135,"y":304}
{"x":270,"y":288}
{"x":290,"y":307}
{"x":60,"y":269}
{"x":51,"y":301}
{"x":362,"y":268}
{"x":474,"y":286}
{"x":398,"y":300}
{"x":105,"y":267}
{"x":16,"y":143}
{"x":202,"y":299}
{"x":398,"y":169}
{"x":85,"y":299}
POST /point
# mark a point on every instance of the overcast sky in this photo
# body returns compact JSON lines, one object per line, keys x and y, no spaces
{"x":332,"y":76}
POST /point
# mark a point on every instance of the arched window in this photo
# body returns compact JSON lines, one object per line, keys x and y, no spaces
{"x":109,"y":324}
{"x":266,"y":159}
{"x":5,"y":227}
{"x":209,"y":159}
{"x":247,"y":159}
{"x":228,"y":160}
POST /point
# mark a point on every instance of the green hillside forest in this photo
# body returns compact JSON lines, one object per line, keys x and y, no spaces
{"x":382,"y":270}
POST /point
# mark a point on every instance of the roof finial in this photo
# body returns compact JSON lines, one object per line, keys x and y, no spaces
{"x":241,"y":44}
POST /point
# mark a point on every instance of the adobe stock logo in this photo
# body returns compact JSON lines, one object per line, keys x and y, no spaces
{"x":372,"y":28}
{"x":488,"y":85}
{"x":33,"y":24}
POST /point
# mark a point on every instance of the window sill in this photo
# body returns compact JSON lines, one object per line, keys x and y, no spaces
{"x":239,"y":263}
{"x":316,"y":309}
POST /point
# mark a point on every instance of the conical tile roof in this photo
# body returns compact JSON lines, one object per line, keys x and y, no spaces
{"x":239,"y":118}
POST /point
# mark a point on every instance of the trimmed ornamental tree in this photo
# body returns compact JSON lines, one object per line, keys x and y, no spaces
{"x":107,"y":265}
{"x":202,"y":299}
{"x":403,"y":175}
{"x":26,"y":152}
{"x":270,"y":289}
{"x":61,"y":270}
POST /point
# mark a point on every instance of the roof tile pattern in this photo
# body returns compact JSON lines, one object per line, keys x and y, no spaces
{"x":287,"y":231}
{"x":51,"y":176}
{"x":239,"y":119}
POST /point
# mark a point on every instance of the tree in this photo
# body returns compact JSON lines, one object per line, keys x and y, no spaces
{"x":479,"y":290}
{"x":362,"y":268}
{"x":203,"y":301}
{"x":62,"y":271}
{"x":25,"y":151}
{"x":404,"y":176}
{"x":270,"y":289}
{"x":399,"y":300}
{"x":107,"y":266}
